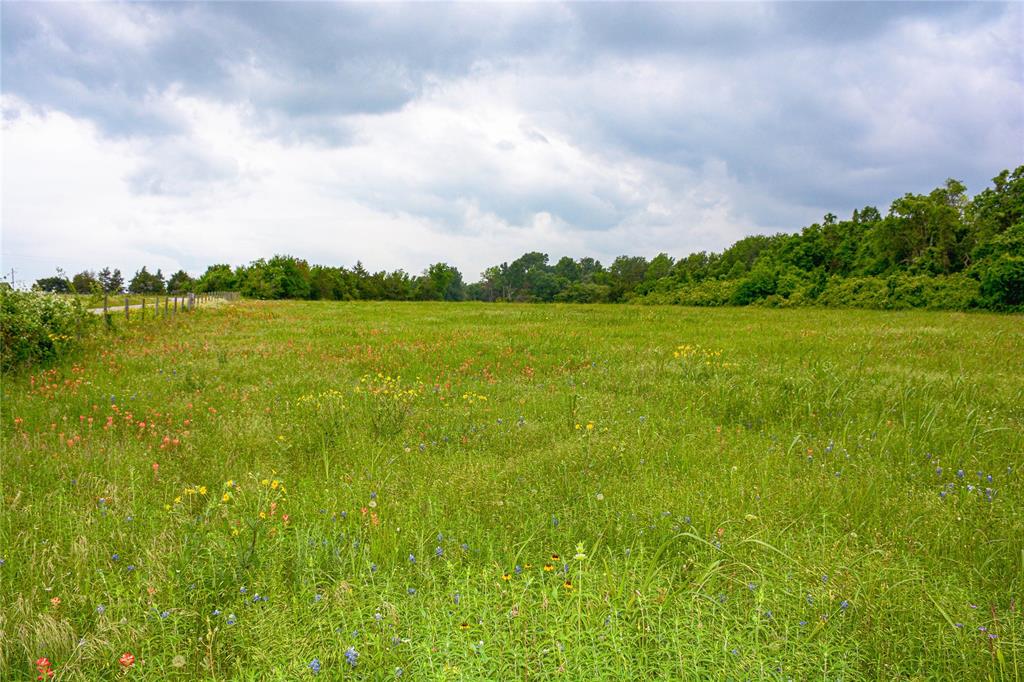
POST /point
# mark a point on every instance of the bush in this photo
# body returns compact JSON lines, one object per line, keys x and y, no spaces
{"x":37,"y":327}
{"x":1002,"y":283}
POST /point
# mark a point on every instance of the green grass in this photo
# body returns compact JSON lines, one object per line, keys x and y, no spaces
{"x":766,"y":505}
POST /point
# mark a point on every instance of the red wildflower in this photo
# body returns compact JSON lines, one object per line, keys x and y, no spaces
{"x":45,"y":668}
{"x":127,"y":660}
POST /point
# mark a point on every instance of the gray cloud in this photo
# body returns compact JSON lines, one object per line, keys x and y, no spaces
{"x":612,"y":119}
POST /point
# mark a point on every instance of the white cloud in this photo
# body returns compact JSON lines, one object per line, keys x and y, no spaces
{"x":400,"y":154}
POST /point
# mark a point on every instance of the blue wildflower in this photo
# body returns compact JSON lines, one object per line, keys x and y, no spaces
{"x":412,"y":558}
{"x":231,"y":619}
{"x":352,"y":656}
{"x":314,"y":665}
{"x":439,"y":552}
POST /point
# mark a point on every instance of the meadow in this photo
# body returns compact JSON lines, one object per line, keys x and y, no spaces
{"x":289,"y":490}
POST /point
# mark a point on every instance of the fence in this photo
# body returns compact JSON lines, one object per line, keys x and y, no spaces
{"x":171,"y":304}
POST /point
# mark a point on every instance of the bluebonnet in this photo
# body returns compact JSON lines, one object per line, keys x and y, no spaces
{"x":959,"y":473}
{"x":216,"y":612}
{"x":164,"y":614}
{"x":314,"y":665}
{"x":412,"y":558}
{"x":317,"y":597}
{"x":844,"y":604}
{"x":100,"y":609}
{"x":457,"y":598}
{"x":231,"y":619}
{"x":352,"y":656}
{"x":439,"y":552}
{"x":411,"y":590}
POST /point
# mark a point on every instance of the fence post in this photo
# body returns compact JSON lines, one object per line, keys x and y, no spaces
{"x":104,"y":304}
{"x":166,"y":306}
{"x":125,"y":308}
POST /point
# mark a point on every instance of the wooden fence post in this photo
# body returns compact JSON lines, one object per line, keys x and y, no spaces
{"x":104,"y":304}
{"x":125,"y":308}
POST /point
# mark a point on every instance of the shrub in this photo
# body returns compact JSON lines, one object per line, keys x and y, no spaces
{"x":37,"y":327}
{"x":1002,"y":283}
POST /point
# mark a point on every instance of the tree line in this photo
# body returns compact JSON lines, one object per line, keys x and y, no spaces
{"x":944,"y":249}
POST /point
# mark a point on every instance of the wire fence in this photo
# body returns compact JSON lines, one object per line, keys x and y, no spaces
{"x":160,"y":306}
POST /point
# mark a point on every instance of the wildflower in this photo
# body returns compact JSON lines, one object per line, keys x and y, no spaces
{"x":101,"y":609}
{"x":555,"y":557}
{"x":439,"y":552}
{"x":549,"y":567}
{"x":231,"y":619}
{"x":55,"y":602}
{"x":127,"y":660}
{"x":44,"y":667}
{"x":164,"y":614}
{"x":518,"y":569}
{"x":464,"y":625}
{"x":567,"y":585}
{"x":314,"y":665}
{"x":317,"y":597}
{"x":844,"y":605}
{"x":225,"y":497}
{"x":506,"y":577}
{"x":178,"y":661}
{"x":411,"y":590}
{"x":202,"y":490}
{"x":352,"y":656}
{"x":457,"y":598}
{"x":412,"y":558}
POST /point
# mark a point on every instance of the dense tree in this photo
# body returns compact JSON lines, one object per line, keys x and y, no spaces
{"x":145,"y":282}
{"x":58,"y":284}
{"x":111,"y":282}
{"x":86,"y":282}
{"x":180,"y":282}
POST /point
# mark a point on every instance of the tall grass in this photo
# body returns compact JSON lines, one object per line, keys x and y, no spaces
{"x":731,"y":494}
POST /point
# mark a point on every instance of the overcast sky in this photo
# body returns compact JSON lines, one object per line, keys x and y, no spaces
{"x":178,"y":135}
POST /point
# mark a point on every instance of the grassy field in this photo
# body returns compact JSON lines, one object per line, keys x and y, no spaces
{"x":449,"y":491}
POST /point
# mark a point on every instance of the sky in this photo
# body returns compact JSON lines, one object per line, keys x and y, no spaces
{"x":179,"y":135}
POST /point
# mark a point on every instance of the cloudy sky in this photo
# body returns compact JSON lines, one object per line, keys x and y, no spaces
{"x":179,"y":135}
